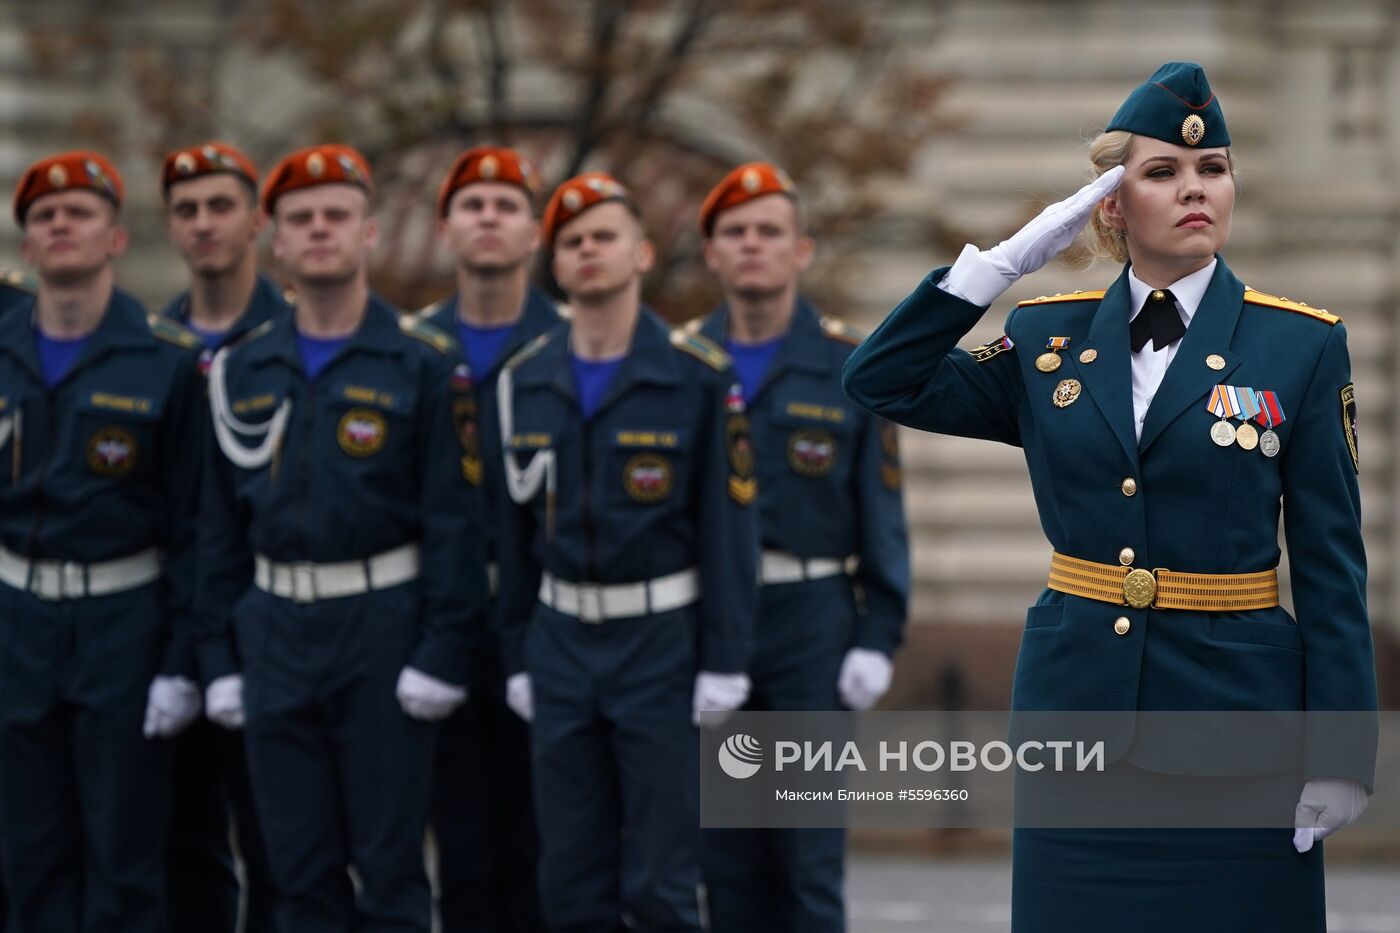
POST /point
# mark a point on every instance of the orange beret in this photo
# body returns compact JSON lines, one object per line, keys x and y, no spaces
{"x":331,"y":164}
{"x":748,"y":181}
{"x":80,"y":170}
{"x":206,"y":159}
{"x":577,"y":195}
{"x":488,"y":163}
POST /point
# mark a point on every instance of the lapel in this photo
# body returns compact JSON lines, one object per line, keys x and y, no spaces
{"x":1188,"y":378}
{"x":1109,"y":379}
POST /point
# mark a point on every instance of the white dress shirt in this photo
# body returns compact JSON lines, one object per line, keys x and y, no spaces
{"x":1149,"y":365}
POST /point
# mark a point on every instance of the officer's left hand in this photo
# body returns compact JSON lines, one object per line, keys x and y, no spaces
{"x":427,"y":698}
{"x":172,"y":704}
{"x":1327,"y":805}
{"x":864,"y":678}
{"x":717,"y":696}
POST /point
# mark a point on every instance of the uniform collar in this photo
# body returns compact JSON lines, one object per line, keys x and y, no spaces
{"x":378,"y":334}
{"x":123,"y":326}
{"x":651,"y":360}
{"x":266,"y":304}
{"x":537,"y":317}
{"x":802,"y":348}
{"x":1187,"y":290}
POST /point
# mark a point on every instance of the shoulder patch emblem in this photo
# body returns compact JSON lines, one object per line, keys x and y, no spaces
{"x":1297,"y":307}
{"x":17,"y":280}
{"x":427,"y":333}
{"x":988,"y":350}
{"x":1349,"y":424}
{"x":837,"y":329}
{"x":702,"y":348}
{"x":163,"y":328}
{"x":1055,"y":299}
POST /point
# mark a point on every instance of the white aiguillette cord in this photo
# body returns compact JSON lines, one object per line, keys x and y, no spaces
{"x":225,"y":424}
{"x":523,"y":483}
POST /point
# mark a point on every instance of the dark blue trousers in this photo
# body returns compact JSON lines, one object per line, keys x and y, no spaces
{"x":209,"y":784}
{"x":616,"y":772}
{"x":787,"y":879}
{"x":341,"y":776}
{"x":483,"y":811}
{"x":83,"y":796}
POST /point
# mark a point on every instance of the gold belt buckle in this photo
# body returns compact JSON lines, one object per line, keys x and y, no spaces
{"x":1140,"y":588}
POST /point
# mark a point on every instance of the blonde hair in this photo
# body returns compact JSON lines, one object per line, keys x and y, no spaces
{"x":1107,"y":150}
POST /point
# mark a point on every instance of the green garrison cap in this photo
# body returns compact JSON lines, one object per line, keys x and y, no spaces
{"x":1175,"y":105}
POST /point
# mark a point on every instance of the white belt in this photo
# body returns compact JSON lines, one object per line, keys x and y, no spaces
{"x":64,"y":579}
{"x":782,"y":567}
{"x":306,"y":582}
{"x":597,"y":602}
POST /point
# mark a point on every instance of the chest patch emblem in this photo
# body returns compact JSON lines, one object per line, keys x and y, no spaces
{"x":811,"y":453}
{"x":647,"y":478}
{"x":362,"y":432}
{"x":111,"y":451}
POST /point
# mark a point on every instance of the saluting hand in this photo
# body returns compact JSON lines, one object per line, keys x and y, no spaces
{"x":981,"y":276}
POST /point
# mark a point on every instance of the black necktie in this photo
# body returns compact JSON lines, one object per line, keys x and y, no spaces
{"x":1158,"y":319}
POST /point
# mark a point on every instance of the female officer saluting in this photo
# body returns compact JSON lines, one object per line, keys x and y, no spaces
{"x":1164,"y":421}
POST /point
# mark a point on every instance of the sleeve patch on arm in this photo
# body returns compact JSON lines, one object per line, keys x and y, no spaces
{"x":988,"y":350}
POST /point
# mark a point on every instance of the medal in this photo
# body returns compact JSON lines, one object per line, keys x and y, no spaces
{"x":1049,"y":361}
{"x":1246,"y":436}
{"x":1224,"y":404}
{"x":1270,"y":414}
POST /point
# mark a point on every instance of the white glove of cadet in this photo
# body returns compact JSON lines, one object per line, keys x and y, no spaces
{"x":979,"y":276}
{"x":172,"y":704}
{"x":1326,"y":805}
{"x":717,"y":696}
{"x":865,"y":676}
{"x":520,"y":695}
{"x":427,"y":698}
{"x":223,"y":701}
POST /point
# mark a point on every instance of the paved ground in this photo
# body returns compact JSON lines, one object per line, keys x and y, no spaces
{"x":972,"y":895}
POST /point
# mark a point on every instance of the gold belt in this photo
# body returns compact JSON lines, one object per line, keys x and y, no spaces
{"x":1163,"y":589}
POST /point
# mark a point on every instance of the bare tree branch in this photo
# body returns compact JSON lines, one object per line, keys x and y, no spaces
{"x":608,"y":17}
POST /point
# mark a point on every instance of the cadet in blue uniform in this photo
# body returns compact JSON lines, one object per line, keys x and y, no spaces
{"x":628,"y":578}
{"x":100,"y":424}
{"x":213,"y":218}
{"x":483,"y":814}
{"x":1164,"y":422}
{"x":829,"y":494}
{"x":340,"y":562}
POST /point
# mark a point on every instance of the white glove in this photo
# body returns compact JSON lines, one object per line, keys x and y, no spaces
{"x":979,"y":276}
{"x":172,"y":704}
{"x":223,"y":701}
{"x":520,"y":696}
{"x":864,"y":678}
{"x":717,"y":696}
{"x":1326,"y":805}
{"x":427,"y":698}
